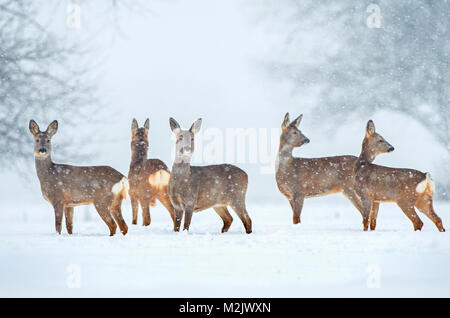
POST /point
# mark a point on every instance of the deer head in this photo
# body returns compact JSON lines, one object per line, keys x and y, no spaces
{"x":290,"y":134}
{"x":373,"y":143}
{"x":42,"y":139}
{"x":185,"y":140}
{"x":139,"y":136}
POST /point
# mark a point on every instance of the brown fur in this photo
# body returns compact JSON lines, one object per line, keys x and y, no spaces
{"x":148,"y":177}
{"x":193,"y":189}
{"x":66,"y":186}
{"x":376,"y":184}
{"x":301,"y":178}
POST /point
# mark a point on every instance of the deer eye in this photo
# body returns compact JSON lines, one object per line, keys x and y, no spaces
{"x":48,"y":140}
{"x":380,"y":140}
{"x":37,"y":140}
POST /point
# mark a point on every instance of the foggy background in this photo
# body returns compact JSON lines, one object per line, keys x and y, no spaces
{"x":236,"y":64}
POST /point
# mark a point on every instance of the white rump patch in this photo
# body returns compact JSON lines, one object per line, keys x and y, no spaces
{"x":159,"y":178}
{"x":427,"y":183}
{"x":421,"y":187}
{"x":431,"y":183}
{"x":121,"y":186}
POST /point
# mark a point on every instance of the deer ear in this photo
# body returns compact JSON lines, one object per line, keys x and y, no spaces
{"x":34,"y":127}
{"x":285,"y":123}
{"x":52,"y":128}
{"x":297,"y":121}
{"x":195,"y":128}
{"x":134,"y":124}
{"x":174,"y":125}
{"x":147,"y":124}
{"x":370,"y":129}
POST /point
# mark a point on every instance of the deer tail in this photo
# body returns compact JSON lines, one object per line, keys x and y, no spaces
{"x":121,"y":187}
{"x":426,"y":185}
{"x":159,"y":179}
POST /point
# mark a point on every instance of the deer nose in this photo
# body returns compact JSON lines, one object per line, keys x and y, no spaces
{"x":42,"y":150}
{"x":391,"y":149}
{"x":186,"y":150}
{"x":307,"y":141}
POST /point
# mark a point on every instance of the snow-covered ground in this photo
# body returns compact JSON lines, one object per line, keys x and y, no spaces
{"x":327,"y":255}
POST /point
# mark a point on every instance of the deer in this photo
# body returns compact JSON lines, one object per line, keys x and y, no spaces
{"x":148,"y":178}
{"x":197,"y":188}
{"x":408,"y":188}
{"x":66,"y":186}
{"x":302,"y":178}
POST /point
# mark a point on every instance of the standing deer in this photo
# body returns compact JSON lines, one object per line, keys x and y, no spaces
{"x":66,"y":186}
{"x":407,"y":187}
{"x":192,"y":189}
{"x":149,"y":178}
{"x":301,"y":178}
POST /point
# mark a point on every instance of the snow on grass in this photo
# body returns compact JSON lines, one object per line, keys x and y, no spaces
{"x":328,"y":254}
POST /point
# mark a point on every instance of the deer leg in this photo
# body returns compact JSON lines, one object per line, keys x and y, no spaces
{"x":297,"y":206}
{"x":353,"y":197}
{"x":409,"y":211}
{"x":68,"y":212}
{"x":226,"y":217}
{"x":373,"y":215}
{"x":116,"y":212}
{"x":164,"y":199}
{"x":178,"y":217}
{"x":145,"y":206}
{"x":241,"y":211}
{"x":187,"y":217}
{"x":425,"y":205}
{"x":103,"y":211}
{"x":367,"y":208}
{"x":59,"y":210}
{"x":134,"y":208}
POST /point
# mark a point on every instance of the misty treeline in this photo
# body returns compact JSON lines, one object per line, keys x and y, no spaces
{"x":45,"y":74}
{"x":356,"y":67}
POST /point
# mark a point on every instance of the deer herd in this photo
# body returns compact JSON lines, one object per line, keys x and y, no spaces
{"x":187,"y":189}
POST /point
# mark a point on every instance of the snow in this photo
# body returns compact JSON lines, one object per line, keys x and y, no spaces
{"x":328,"y":254}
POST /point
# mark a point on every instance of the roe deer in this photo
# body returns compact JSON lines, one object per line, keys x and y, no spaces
{"x":66,"y":186}
{"x":149,"y":178}
{"x":192,"y":189}
{"x":407,"y":187}
{"x":300,"y":178}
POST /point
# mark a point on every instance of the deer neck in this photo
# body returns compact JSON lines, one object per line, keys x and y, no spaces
{"x":181,"y":169}
{"x":43,"y":166}
{"x":284,"y":154}
{"x":138,"y":157}
{"x":367,"y":156}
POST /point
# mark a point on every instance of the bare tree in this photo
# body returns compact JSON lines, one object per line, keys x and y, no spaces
{"x":43,"y":76}
{"x":402,"y":66}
